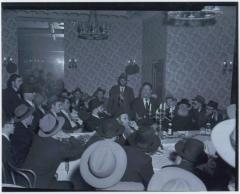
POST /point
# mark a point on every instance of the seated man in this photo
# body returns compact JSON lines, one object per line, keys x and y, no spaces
{"x":108,"y":129}
{"x":21,"y":139}
{"x":171,"y":103}
{"x":70,"y":124}
{"x":212,"y":115}
{"x":130,"y":126}
{"x":182,"y":120}
{"x":145,"y":106}
{"x":98,"y":114}
{"x":48,"y":151}
{"x":54,"y":105}
{"x":98,"y":97}
{"x":198,"y":111}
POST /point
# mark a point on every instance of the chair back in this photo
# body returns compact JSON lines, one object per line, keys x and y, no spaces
{"x":27,"y":175}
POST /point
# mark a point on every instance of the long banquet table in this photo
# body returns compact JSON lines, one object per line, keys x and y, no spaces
{"x":159,"y":159}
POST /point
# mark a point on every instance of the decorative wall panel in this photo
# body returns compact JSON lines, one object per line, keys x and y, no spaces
{"x":195,"y":56}
{"x":101,"y":62}
{"x":9,"y":41}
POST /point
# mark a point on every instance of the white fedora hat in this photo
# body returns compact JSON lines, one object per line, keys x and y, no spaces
{"x":103,"y":164}
{"x":231,"y":111}
{"x":172,"y":179}
{"x":221,"y":138}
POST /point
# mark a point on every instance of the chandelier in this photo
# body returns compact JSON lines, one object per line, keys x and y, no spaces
{"x":192,"y":18}
{"x":92,"y":29}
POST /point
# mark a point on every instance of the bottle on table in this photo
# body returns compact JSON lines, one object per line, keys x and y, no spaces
{"x":170,"y":130}
{"x":208,"y":128}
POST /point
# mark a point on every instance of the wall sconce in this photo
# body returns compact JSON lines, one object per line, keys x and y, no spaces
{"x":132,"y":67}
{"x":227,"y":67}
{"x":11,"y":67}
{"x":72,"y":63}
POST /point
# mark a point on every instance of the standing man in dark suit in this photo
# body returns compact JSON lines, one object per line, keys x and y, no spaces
{"x":120,"y":97}
{"x":21,"y":139}
{"x":144,"y":107}
{"x":48,"y":151}
{"x":11,"y":97}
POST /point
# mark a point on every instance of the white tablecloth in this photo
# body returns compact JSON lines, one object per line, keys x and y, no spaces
{"x":159,"y":159}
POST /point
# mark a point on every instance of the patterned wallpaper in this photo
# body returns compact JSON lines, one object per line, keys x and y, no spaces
{"x":194,"y":58}
{"x":101,"y":62}
{"x":9,"y":42}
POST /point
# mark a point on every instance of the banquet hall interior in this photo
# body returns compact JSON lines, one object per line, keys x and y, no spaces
{"x":119,"y":97}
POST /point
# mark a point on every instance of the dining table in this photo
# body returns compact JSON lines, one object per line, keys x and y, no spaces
{"x":159,"y":159}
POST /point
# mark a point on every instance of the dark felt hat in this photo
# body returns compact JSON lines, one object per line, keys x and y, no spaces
{"x":199,"y":99}
{"x":94,"y":104}
{"x":123,"y":76}
{"x":213,"y":104}
{"x":192,"y":150}
{"x":110,"y":128}
{"x":184,"y":101}
{"x":145,"y":139}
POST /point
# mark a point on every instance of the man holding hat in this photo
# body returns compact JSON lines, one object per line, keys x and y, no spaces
{"x":120,"y":96}
{"x":21,"y":140}
{"x":48,"y":151}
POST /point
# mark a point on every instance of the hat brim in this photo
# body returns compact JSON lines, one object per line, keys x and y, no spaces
{"x":149,"y":147}
{"x":115,"y":177}
{"x":231,"y":111}
{"x":30,"y":112}
{"x":61,"y":121}
{"x":167,"y":174}
{"x":221,"y":140}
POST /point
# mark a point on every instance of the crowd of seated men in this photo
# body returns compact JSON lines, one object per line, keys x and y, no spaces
{"x":36,"y":127}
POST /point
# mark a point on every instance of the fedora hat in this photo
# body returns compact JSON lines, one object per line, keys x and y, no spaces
{"x":199,"y":99}
{"x":110,"y":128}
{"x":21,"y":112}
{"x":172,"y":179}
{"x":223,"y":135}
{"x":192,"y":150}
{"x":184,"y":101}
{"x":145,"y":139}
{"x":49,"y":125}
{"x":103,"y":164}
{"x":123,"y":76}
{"x":231,"y":111}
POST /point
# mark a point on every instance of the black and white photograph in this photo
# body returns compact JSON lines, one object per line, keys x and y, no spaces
{"x":119,"y":96}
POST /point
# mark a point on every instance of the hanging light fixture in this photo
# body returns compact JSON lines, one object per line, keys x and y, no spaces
{"x":92,"y":29}
{"x":193,"y":18}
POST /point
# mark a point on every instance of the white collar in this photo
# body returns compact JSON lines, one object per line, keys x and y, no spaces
{"x":15,"y":89}
{"x":41,"y":109}
{"x":5,"y":135}
{"x":96,"y":116}
{"x":30,"y":102}
{"x":55,"y":114}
